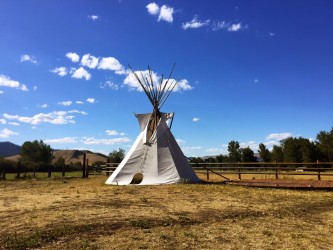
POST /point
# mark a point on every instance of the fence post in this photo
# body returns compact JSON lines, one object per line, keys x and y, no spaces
{"x":18,"y":169}
{"x":276,"y":173}
{"x":49,"y":171}
{"x":239,"y":171}
{"x":84,"y":165}
{"x":87,"y":169}
{"x":106,"y":170}
{"x":318,"y":170}
{"x":207,"y":175}
{"x":63,"y":170}
{"x":4,"y":171}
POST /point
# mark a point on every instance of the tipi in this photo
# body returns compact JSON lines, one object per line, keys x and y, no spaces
{"x":155,"y":153}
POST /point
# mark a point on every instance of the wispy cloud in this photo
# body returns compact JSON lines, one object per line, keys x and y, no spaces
{"x":55,"y":117}
{"x":79,"y":102}
{"x":93,"y":17}
{"x":61,"y":71}
{"x":235,"y":27}
{"x":3,"y":121}
{"x":196,"y":119}
{"x":109,"y":84}
{"x":44,"y":106}
{"x":65,"y":103}
{"x":64,"y":140}
{"x":279,"y":136}
{"x":111,"y":132}
{"x":73,"y":57}
{"x":94,"y":141}
{"x":5,"y":81}
{"x":165,"y":13}
{"x":195,"y":23}
{"x":28,"y":58}
{"x":5,"y":133}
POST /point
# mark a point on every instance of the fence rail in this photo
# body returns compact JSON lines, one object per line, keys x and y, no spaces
{"x":277,"y":169}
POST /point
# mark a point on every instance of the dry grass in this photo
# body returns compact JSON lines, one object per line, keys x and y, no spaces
{"x":86,"y":214}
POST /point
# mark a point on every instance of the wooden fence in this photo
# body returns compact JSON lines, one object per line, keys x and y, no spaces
{"x":277,"y":169}
{"x":223,"y":170}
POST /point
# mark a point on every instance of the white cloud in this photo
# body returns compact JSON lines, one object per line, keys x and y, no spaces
{"x":5,"y":133}
{"x":195,"y":24}
{"x":61,"y":71}
{"x":180,"y":141}
{"x":219,"y":25}
{"x":271,"y":34}
{"x":91,"y":100}
{"x":79,"y":102}
{"x":166,"y":14}
{"x":1,"y":92}
{"x":93,"y":17}
{"x":235,"y":27}
{"x":64,"y":140}
{"x":3,"y":121}
{"x":89,"y":61}
{"x":111,"y":132}
{"x":44,"y":106}
{"x":182,"y":85}
{"x":28,"y":58}
{"x":153,"y":8}
{"x":73,"y":57}
{"x":195,"y":119}
{"x":5,"y":81}
{"x":14,"y":123}
{"x":66,"y":103}
{"x":35,"y":88}
{"x":251,"y":144}
{"x":278,"y":136}
{"x":80,"y":73}
{"x":109,"y":84}
{"x":111,"y":63}
{"x":92,"y":140}
{"x":55,"y":117}
{"x":132,"y":82}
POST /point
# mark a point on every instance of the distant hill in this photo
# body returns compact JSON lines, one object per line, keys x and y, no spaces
{"x":75,"y":156}
{"x":9,"y":149}
{"x":70,"y":156}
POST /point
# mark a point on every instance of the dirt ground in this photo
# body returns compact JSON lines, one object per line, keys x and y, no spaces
{"x":87,"y":214}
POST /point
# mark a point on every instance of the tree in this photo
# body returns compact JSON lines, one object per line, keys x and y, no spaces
{"x":234,"y":151}
{"x":116,"y":156}
{"x":264,"y":153}
{"x":60,"y":163}
{"x":291,"y":150}
{"x":196,"y":160}
{"x":37,"y":152}
{"x":248,"y":155}
{"x":325,"y":145}
{"x":299,"y":150}
{"x":277,"y":154}
{"x":221,"y":158}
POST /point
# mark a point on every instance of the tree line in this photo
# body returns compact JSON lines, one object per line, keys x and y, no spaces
{"x":291,"y":149}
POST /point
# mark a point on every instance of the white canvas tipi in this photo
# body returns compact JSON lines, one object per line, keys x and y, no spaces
{"x":155,"y":153}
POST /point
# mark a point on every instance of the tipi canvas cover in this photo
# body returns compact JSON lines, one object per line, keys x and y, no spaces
{"x":155,"y":153}
{"x":158,"y":157}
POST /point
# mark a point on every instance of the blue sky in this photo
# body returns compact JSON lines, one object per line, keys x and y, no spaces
{"x":251,"y":71}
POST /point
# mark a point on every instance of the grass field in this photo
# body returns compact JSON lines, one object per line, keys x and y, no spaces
{"x":87,"y":214}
